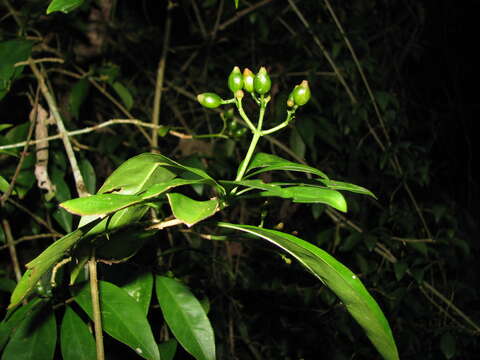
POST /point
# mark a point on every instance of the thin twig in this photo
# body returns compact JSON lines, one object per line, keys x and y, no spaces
{"x":52,"y":104}
{"x":160,"y":78}
{"x":32,"y":237}
{"x":242,"y":13}
{"x":33,"y":216}
{"x":426,"y":240}
{"x":37,"y":61}
{"x":97,"y":315}
{"x":11,"y":248}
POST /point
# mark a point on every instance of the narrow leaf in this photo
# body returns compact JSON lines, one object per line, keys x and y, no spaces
{"x":191,"y":211}
{"x":267,"y":162}
{"x":35,"y":338}
{"x":124,"y":94}
{"x":311,"y":194}
{"x":76,"y":340}
{"x":344,"y":283}
{"x":168,"y":349}
{"x":159,"y":189}
{"x":45,"y":261}
{"x":3,"y":184}
{"x":100,"y":204}
{"x":122,"y":318}
{"x":339,"y":185}
{"x":64,"y":6}
{"x":186,"y":318}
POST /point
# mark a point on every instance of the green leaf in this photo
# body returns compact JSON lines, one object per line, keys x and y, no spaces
{"x":124,"y":94}
{"x":311,"y":194}
{"x":236,"y":4}
{"x":5,"y":126}
{"x":339,"y":185}
{"x":45,"y":261}
{"x":158,"y":189}
{"x":64,"y":6}
{"x":168,"y":349}
{"x":77,"y":96}
{"x":344,"y":283}
{"x":14,"y":318}
{"x":3,"y":184}
{"x":140,"y":289}
{"x":186,"y":318}
{"x":100,"y":204}
{"x":88,"y":173}
{"x":6,"y":284}
{"x":121,"y":245}
{"x":12,"y":52}
{"x":191,"y":211}
{"x":266,"y":162}
{"x":75,"y":338}
{"x":297,"y":144}
{"x":122,"y":318}
{"x":447,"y":345}
{"x":35,"y":338}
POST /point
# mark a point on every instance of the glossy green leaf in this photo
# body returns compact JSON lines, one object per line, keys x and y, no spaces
{"x":5,"y":126}
{"x":339,"y":185}
{"x":76,"y":340}
{"x":140,"y":289}
{"x":35,"y":338}
{"x":45,"y":261}
{"x":124,"y":94}
{"x":159,"y":189}
{"x":191,"y":211}
{"x":14,"y":318}
{"x":267,"y":162}
{"x":100,"y":204}
{"x":186,"y":318}
{"x":3,"y":184}
{"x":12,"y":52}
{"x":88,"y":173}
{"x":77,"y":96}
{"x":122,"y":245}
{"x":64,"y":6}
{"x":344,"y":283}
{"x":311,"y":194}
{"x":168,"y":349}
{"x":122,"y":318}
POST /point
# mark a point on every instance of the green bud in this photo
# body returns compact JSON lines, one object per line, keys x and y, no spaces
{"x":262,"y":82}
{"x":301,"y":94}
{"x":248,"y":78}
{"x":235,"y":80}
{"x":239,"y":94}
{"x":209,"y":100}
{"x":290,"y":100}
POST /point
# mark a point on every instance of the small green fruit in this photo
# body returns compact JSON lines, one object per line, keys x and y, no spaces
{"x":209,"y":100}
{"x":235,"y":80}
{"x":248,"y":78}
{"x":301,"y":94}
{"x":262,"y":82}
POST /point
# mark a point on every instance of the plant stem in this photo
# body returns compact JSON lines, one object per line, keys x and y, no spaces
{"x":97,"y":315}
{"x":280,"y":126}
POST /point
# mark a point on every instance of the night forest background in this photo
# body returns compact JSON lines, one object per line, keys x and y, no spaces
{"x":393,"y":105}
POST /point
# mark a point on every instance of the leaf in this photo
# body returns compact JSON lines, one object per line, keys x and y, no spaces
{"x":100,"y":204}
{"x":5,"y":126}
{"x":140,"y":289}
{"x":186,"y":318}
{"x":77,"y":96}
{"x":267,"y":162}
{"x":64,"y":6}
{"x":297,"y":144}
{"x":122,"y":318}
{"x":35,"y":338}
{"x":159,"y":189}
{"x":311,"y":194}
{"x":124,"y":94}
{"x":191,"y":211}
{"x":76,"y":341}
{"x":88,"y":173}
{"x":122,"y":245}
{"x":12,"y":52}
{"x":168,"y":349}
{"x":236,"y":4}
{"x":6,"y":284}
{"x":14,"y":318}
{"x":44,"y":262}
{"x":3,"y":184}
{"x":344,"y":283}
{"x":339,"y":185}
{"x":447,"y":345}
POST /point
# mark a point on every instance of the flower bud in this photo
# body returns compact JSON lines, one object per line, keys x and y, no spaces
{"x":262,"y":82}
{"x":209,"y":100}
{"x":248,"y":78}
{"x":239,"y":94}
{"x":235,"y":80}
{"x":301,"y":94}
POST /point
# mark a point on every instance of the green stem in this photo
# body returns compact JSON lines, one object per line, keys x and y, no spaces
{"x":282,"y":125}
{"x":97,"y":315}
{"x":244,"y":115}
